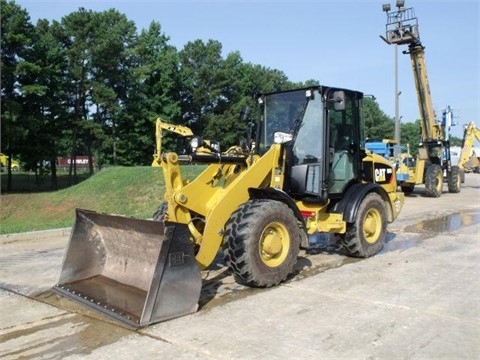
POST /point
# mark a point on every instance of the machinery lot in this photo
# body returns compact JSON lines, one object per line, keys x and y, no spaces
{"x":418,"y":298}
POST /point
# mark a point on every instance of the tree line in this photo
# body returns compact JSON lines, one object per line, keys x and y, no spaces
{"x":92,"y":84}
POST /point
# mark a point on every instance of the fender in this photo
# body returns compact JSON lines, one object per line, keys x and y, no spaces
{"x":279,"y":195}
{"x":353,"y":197}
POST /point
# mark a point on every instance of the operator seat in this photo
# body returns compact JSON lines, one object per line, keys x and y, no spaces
{"x":341,"y":171}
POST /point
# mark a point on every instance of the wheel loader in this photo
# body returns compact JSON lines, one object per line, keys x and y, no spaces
{"x":305,"y":171}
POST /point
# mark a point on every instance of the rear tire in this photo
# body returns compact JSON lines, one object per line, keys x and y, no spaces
{"x":159,"y":214}
{"x":434,"y":181}
{"x":454,"y":180}
{"x":262,"y":241}
{"x":366,"y":236}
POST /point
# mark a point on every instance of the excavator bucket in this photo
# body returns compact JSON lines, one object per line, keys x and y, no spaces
{"x":137,"y":271}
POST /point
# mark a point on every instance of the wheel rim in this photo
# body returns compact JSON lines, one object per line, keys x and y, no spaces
{"x":372,"y":226}
{"x":274,"y":244}
{"x":439,"y":181}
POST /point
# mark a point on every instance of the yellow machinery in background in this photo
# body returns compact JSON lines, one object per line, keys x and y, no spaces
{"x":469,"y":160}
{"x":161,"y":125}
{"x":433,"y":162}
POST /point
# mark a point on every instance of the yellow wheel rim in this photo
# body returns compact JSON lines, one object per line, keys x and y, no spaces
{"x":274,"y":244}
{"x":372,"y":226}
{"x":439,"y":181}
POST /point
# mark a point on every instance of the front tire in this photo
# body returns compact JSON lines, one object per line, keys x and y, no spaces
{"x":366,"y":236}
{"x":262,"y":241}
{"x":434,"y":181}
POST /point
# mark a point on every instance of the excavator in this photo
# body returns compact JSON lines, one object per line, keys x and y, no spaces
{"x":161,"y":125}
{"x":468,"y":158}
{"x":306,"y":171}
{"x":433,"y":162}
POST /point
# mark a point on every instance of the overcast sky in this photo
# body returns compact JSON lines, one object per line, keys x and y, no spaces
{"x":335,"y":42}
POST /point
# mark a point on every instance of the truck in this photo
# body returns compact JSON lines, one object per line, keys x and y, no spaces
{"x":433,"y":162}
{"x":306,"y":172}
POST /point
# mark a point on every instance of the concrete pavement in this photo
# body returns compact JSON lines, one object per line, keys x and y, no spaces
{"x":418,"y":299}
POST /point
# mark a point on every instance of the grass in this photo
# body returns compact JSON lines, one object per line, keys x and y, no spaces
{"x":27,"y":182}
{"x":130,"y":191}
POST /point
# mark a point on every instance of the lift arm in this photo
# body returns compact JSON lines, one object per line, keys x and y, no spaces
{"x":470,"y":134}
{"x":402,"y":29}
{"x":430,"y":129}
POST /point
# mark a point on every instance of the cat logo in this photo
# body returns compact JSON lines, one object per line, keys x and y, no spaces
{"x":380,"y":175}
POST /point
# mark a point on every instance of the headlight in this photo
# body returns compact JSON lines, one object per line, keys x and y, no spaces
{"x":281,"y":137}
{"x":196,"y":142}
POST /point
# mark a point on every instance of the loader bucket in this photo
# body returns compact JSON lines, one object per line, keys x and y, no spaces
{"x":137,"y":271}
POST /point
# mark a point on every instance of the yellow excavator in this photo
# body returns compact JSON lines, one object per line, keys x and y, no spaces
{"x":433,"y":162}
{"x":307,"y":171}
{"x":161,"y":125}
{"x":468,"y":158}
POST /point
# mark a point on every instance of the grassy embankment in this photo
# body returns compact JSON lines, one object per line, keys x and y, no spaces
{"x":130,"y":191}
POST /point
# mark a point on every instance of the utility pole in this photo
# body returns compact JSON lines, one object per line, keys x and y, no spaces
{"x":400,"y":4}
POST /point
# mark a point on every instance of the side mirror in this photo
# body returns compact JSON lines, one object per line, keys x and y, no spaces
{"x":338,"y":100}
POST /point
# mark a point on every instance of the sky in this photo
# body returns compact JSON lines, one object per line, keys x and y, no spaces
{"x":335,"y":42}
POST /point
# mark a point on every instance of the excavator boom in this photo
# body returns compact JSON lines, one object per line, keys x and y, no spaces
{"x":467,"y":159}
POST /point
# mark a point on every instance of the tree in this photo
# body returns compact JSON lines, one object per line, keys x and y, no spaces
{"x":43,"y":82}
{"x":411,"y":135}
{"x":91,"y":85}
{"x":239,"y":82}
{"x":154,"y":92}
{"x":16,"y":39}
{"x":78,"y":29}
{"x":111,"y":49}
{"x":378,"y":125}
{"x":201,"y":78}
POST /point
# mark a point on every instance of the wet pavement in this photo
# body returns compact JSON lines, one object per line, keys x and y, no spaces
{"x":418,"y":298}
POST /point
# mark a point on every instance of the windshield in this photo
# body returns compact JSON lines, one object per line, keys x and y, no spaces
{"x":281,"y":111}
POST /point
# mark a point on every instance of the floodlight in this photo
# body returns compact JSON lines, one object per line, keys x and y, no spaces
{"x":386,"y":7}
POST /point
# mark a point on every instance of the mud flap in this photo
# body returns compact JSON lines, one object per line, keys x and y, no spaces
{"x":137,"y":271}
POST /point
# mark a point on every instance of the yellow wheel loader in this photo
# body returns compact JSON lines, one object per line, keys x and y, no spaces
{"x":307,"y":171}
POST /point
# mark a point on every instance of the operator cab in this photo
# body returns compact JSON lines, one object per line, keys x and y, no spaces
{"x":323,"y":156}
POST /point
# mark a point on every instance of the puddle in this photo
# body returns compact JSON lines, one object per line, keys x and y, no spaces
{"x":59,"y":337}
{"x":445,"y":223}
{"x":425,"y":229}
